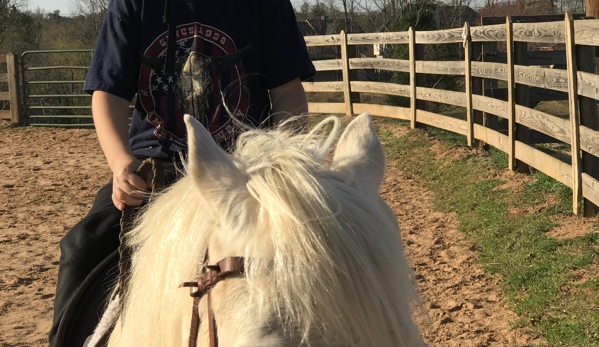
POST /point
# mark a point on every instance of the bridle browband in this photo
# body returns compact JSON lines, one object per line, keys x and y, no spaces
{"x":209,"y":276}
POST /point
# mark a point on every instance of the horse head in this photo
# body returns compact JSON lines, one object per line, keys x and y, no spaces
{"x":323,"y":256}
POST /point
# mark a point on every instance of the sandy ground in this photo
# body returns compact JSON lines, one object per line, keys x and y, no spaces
{"x":48,"y":179}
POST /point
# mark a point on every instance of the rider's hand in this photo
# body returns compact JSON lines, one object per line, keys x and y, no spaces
{"x":127,"y":186}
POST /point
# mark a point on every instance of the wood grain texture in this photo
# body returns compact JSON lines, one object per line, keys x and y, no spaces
{"x":490,"y":105}
{"x":588,"y":84}
{"x":492,"y":137}
{"x":442,"y":122}
{"x":322,"y":40}
{"x":589,"y":140}
{"x":488,"y":33}
{"x":345,"y":72}
{"x":412,"y":57}
{"x":547,"y":124}
{"x":383,"y":111}
{"x":586,"y":32}
{"x":574,"y":115}
{"x":440,"y":67}
{"x":373,"y":38}
{"x":321,"y":107}
{"x":328,"y":65}
{"x":442,"y":96}
{"x":380,"y":64}
{"x":511,"y":78}
{"x":315,"y":87}
{"x":468,"y":84}
{"x":547,"y":32}
{"x":440,"y":36}
{"x":381,"y":88}
{"x":496,"y":71}
{"x":13,"y":87}
{"x":553,"y":79}
{"x":549,"y":165}
{"x":590,"y":188}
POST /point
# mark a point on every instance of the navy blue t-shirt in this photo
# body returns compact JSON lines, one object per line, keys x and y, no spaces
{"x":132,"y":28}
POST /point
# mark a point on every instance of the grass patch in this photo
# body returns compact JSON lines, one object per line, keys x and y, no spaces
{"x":543,"y":187}
{"x":556,"y":108}
{"x":539,"y":274}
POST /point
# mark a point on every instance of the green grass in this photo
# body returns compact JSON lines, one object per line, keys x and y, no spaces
{"x":556,"y":108}
{"x":537,"y":272}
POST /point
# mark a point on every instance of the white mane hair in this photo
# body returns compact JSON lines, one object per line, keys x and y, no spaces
{"x":324,"y":257}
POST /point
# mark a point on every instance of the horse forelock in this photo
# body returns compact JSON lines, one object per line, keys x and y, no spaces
{"x":335,"y":251}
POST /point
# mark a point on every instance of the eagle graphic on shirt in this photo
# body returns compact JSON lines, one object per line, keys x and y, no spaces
{"x":208,"y":82}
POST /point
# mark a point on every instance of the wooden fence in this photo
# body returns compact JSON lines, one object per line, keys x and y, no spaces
{"x":9,"y":88}
{"x":582,"y":138}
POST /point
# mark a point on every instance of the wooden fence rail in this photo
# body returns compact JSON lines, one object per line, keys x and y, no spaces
{"x":577,"y":131}
{"x":9,"y":89}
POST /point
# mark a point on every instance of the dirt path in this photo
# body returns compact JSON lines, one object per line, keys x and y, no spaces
{"x":464,"y":304}
{"x":48,"y":179}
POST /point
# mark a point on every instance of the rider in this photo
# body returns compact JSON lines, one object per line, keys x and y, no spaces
{"x":225,"y":62}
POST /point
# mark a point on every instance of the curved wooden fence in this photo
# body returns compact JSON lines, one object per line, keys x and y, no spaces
{"x":582,"y":138}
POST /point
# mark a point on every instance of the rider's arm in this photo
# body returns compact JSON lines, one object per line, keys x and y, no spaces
{"x":111,"y":120}
{"x":289,"y":100}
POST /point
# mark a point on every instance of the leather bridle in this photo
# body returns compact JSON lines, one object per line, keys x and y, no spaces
{"x":209,"y":276}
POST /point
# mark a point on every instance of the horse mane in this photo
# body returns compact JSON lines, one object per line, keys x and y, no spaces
{"x":323,"y":256}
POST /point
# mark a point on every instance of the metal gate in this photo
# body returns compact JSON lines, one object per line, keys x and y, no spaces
{"x":52,"y":88}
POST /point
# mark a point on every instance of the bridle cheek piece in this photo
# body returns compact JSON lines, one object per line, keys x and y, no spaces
{"x":210,"y":275}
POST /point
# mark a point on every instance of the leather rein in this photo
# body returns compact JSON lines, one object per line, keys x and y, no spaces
{"x":209,"y":276}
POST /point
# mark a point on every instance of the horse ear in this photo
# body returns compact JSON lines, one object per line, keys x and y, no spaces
{"x":212,"y":169}
{"x":360,"y":153}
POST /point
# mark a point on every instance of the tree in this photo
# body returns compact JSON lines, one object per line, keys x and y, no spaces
{"x":303,"y":13}
{"x":92,"y":8}
{"x":419,"y":15}
{"x":494,"y":8}
{"x":382,"y":12}
{"x":16,"y":27}
{"x":92,"y":11}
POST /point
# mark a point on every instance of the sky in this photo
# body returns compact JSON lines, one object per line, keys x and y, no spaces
{"x":51,"y":5}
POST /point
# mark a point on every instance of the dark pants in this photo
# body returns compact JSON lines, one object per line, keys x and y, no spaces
{"x":84,"y":247}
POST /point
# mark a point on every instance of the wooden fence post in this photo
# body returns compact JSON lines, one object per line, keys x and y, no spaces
{"x":511,"y":111}
{"x":468,"y":82}
{"x":574,"y":115}
{"x":13,"y":87}
{"x":521,"y":97}
{"x":345,"y":73}
{"x":477,"y":89}
{"x":489,"y":85}
{"x":412,"y":50}
{"x":589,"y":117}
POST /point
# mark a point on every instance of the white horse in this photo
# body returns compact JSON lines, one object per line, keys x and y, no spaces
{"x":324,"y":258}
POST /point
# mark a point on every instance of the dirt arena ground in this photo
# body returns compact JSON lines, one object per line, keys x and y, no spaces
{"x":48,"y":179}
